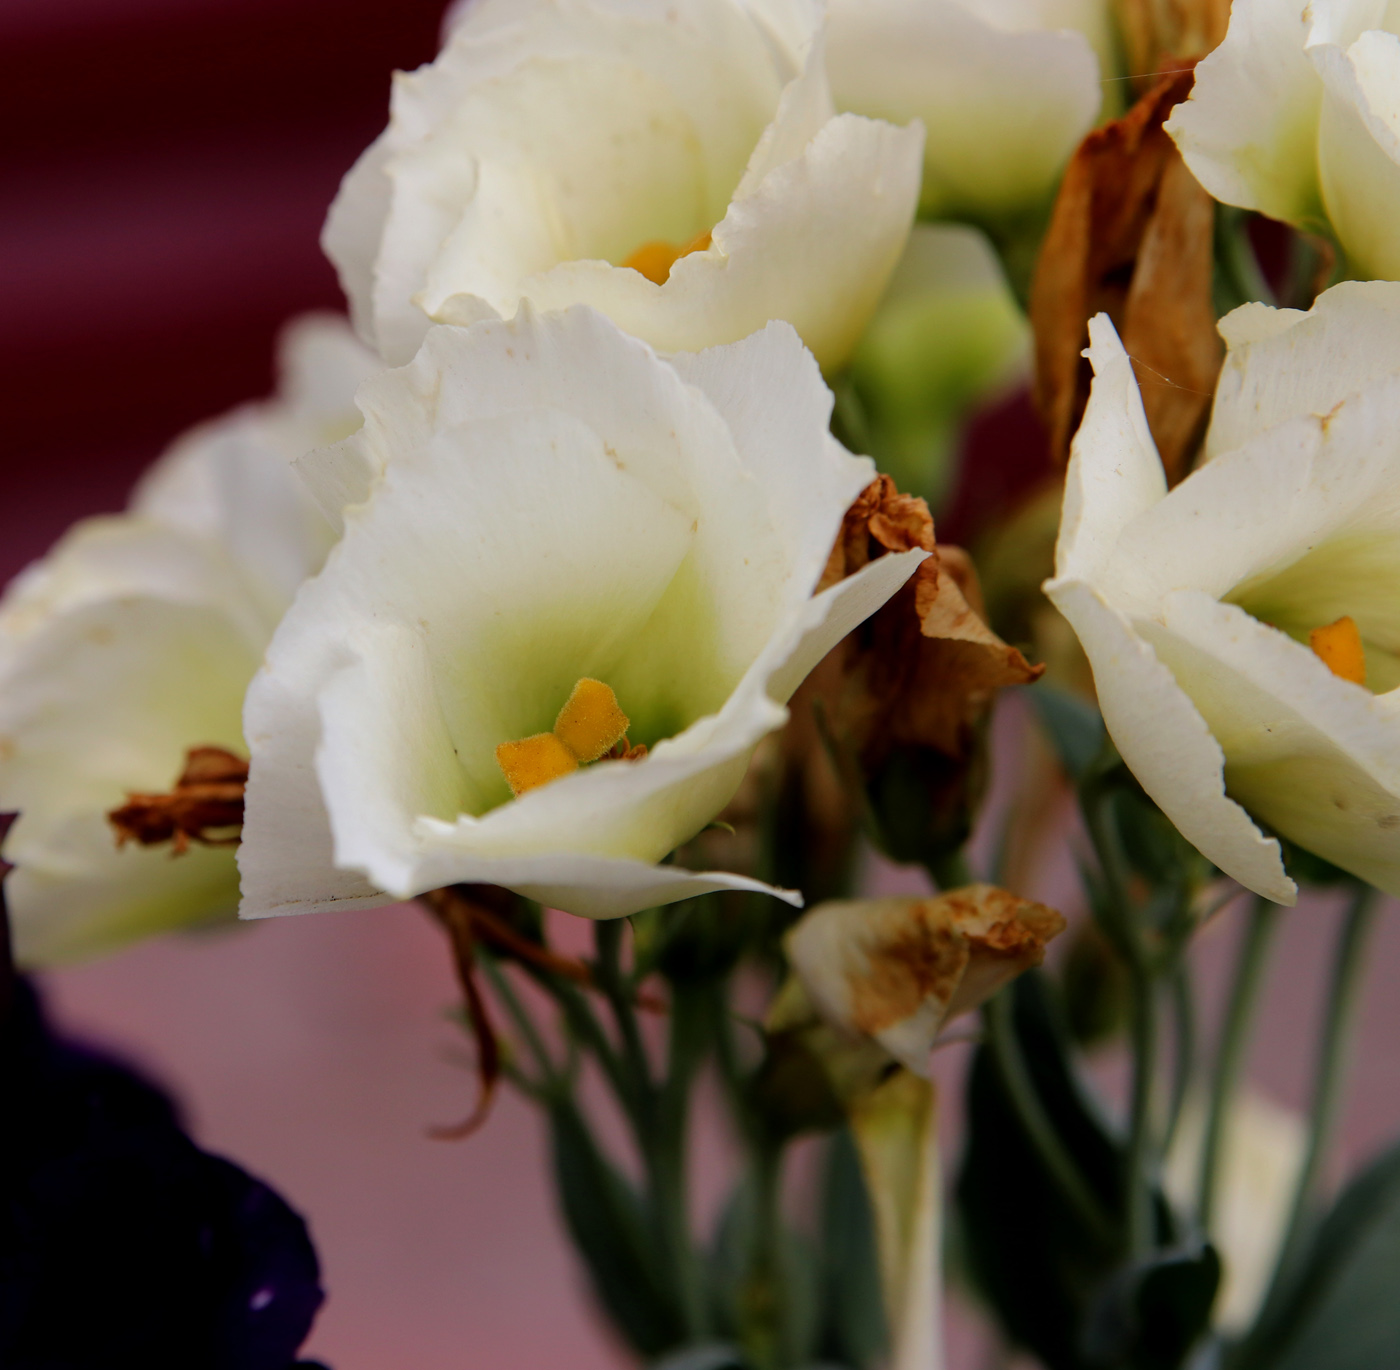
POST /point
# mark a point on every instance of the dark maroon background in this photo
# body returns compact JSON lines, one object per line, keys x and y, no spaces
{"x":164,"y":171}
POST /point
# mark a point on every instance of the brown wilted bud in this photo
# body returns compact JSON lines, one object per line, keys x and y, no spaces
{"x":1132,"y":234}
{"x":900,"y":698}
{"x":206,"y":805}
{"x":896,"y":971}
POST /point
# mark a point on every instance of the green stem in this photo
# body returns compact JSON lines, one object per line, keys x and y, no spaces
{"x":524,"y":1025}
{"x":665,"y":1151}
{"x":1329,"y":1085}
{"x":1140,"y":1159}
{"x":1184,"y":1024}
{"x":1001,"y":1037}
{"x":950,"y":871}
{"x":1234,"y":1048}
{"x":620,"y":999}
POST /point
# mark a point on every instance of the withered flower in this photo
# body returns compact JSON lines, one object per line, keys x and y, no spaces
{"x":1131,"y":236}
{"x":898,"y":970}
{"x":906,"y":690}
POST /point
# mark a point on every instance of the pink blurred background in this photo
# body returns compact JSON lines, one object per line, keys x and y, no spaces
{"x":168,"y":169}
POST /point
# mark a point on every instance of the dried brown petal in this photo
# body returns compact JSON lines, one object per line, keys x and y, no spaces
{"x":206,"y":805}
{"x":1131,"y":234}
{"x":898,"y":970}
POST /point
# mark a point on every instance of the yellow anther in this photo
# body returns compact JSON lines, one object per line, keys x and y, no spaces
{"x":534,"y":761}
{"x":590,"y":722}
{"x":1339,"y":646}
{"x":656,"y":258}
{"x":590,"y":726}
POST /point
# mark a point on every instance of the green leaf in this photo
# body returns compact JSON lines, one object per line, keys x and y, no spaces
{"x":1026,"y":1248}
{"x":774,"y":1313}
{"x":1073,"y":726}
{"x":854,"y":1333}
{"x":1151,"y":1314}
{"x":608,"y":1223}
{"x":1343,"y":1310}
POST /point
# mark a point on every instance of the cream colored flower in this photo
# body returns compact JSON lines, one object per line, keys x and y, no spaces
{"x":539,"y":509}
{"x":677,"y":164}
{"x":1295,"y":115}
{"x":1244,"y":629}
{"x":133,"y":641}
{"x":1005,"y":90}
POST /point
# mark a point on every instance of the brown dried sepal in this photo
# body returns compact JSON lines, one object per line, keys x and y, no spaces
{"x":206,"y":805}
{"x":1131,"y":235}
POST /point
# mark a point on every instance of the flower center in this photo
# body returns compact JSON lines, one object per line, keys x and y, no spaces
{"x":656,"y":258}
{"x":1339,"y":646}
{"x":590,"y":726}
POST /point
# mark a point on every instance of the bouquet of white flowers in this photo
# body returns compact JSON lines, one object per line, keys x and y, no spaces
{"x":596,"y":570}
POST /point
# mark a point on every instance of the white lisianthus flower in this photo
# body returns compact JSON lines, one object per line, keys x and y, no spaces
{"x":1005,"y":89}
{"x":1295,"y":115}
{"x":677,"y":164}
{"x":1244,"y":629}
{"x":540,"y":509}
{"x":133,"y":641}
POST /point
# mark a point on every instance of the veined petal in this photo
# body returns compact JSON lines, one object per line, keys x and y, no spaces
{"x":1249,"y":129}
{"x":948,"y":65}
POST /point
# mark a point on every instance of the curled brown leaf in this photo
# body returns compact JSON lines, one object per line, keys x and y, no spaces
{"x":1131,"y":235}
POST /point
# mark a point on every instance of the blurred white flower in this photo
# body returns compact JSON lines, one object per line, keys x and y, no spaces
{"x":677,"y":164}
{"x":133,"y":641}
{"x":1244,"y":630}
{"x":1295,"y":115}
{"x":1005,"y":90}
{"x":538,"y":506}
{"x":947,"y":336}
{"x":1259,"y":1165}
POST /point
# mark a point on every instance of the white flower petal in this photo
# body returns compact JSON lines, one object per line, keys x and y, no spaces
{"x":1310,"y":753}
{"x":1248,"y":130}
{"x":1284,"y":362}
{"x":1167,"y":744}
{"x":838,"y":214}
{"x":1359,"y":146}
{"x":1114,"y":471}
{"x":946,"y":64}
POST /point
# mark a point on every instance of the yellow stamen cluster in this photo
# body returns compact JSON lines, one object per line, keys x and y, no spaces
{"x":1339,"y":646}
{"x":589,"y":726}
{"x":656,"y":258}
